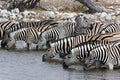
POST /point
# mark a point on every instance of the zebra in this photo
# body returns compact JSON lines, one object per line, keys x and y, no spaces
{"x":113,"y":27}
{"x":63,"y":46}
{"x":4,"y":26}
{"x":41,"y":25}
{"x":81,"y":52}
{"x":109,"y":55}
{"x":63,"y":30}
{"x":29,"y":35}
{"x":83,"y":26}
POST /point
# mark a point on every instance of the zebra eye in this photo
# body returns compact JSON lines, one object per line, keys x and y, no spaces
{"x":48,"y":50}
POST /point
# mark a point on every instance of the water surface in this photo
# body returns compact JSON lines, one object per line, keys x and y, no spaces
{"x":20,"y":64}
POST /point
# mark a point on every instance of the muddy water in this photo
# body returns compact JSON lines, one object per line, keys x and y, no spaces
{"x":20,"y":64}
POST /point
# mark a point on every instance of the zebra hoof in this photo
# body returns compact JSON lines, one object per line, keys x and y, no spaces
{"x":65,"y":66}
{"x":85,"y":68}
{"x":43,"y":58}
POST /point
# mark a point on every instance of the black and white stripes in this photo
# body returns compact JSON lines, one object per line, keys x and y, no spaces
{"x":4,"y":26}
{"x":28,"y":35}
{"x":83,"y":26}
{"x":73,"y":41}
{"x":56,"y":33}
{"x":39,"y":25}
{"x":113,"y":27}
{"x":64,"y":46}
{"x":107,"y":54}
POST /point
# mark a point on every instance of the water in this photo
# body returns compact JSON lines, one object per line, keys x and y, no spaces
{"x":20,"y":64}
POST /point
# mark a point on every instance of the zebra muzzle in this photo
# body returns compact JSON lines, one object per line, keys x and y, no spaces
{"x":43,"y":58}
{"x":65,"y":66}
{"x":3,"y":44}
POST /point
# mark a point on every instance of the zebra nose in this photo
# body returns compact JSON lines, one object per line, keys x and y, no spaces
{"x":6,"y":47}
{"x":3,"y":44}
{"x":65,"y":66}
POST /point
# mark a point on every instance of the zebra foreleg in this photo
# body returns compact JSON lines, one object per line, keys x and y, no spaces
{"x":110,"y":66}
{"x":29,"y":46}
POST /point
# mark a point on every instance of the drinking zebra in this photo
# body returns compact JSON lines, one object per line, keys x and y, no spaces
{"x":28,"y":35}
{"x":40,"y":25}
{"x":63,"y":30}
{"x":64,"y":46}
{"x":109,"y":55}
{"x":81,"y":52}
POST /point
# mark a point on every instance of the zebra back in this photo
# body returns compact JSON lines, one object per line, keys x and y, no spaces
{"x":113,"y":27}
{"x":45,"y":27}
{"x":29,"y":25}
{"x":62,"y":31}
{"x":106,"y":36}
{"x":25,"y":34}
{"x":97,"y":27}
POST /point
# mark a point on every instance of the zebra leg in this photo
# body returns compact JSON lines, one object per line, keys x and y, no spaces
{"x":110,"y":65}
{"x":29,"y":46}
{"x":119,"y":63}
{"x":37,"y":47}
{"x":10,"y":43}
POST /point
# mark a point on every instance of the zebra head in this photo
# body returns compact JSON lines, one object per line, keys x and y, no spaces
{"x":11,"y":40}
{"x":71,"y":59}
{"x":50,"y":53}
{"x":6,"y":38}
{"x":47,"y":56}
{"x":82,"y":21}
{"x":10,"y":43}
